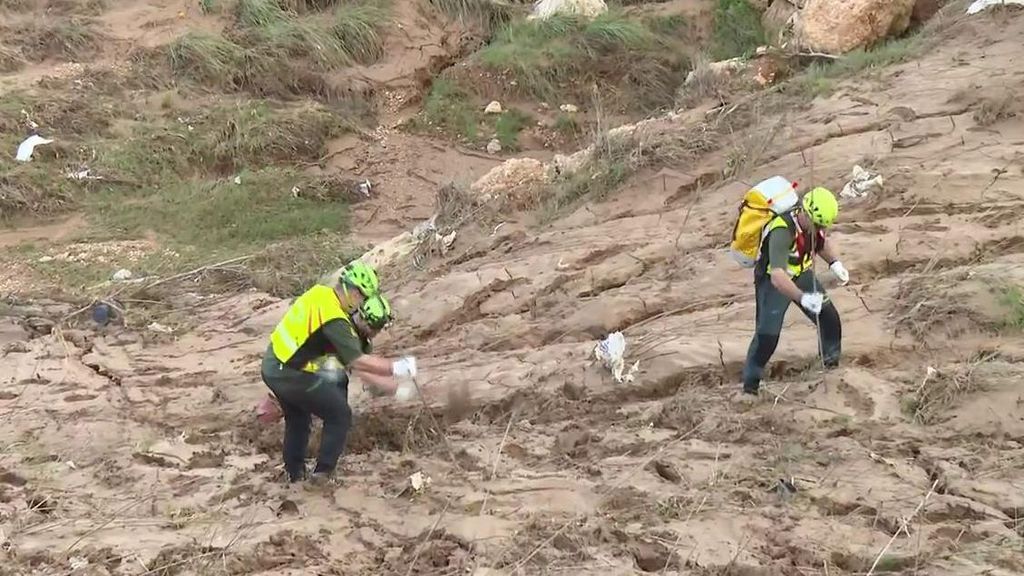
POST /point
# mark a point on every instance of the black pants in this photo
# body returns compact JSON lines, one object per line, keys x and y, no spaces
{"x":303,"y":395}
{"x":770,"y":313}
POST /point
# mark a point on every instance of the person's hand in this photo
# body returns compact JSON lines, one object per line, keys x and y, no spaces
{"x":405,"y":367}
{"x":840,"y":272}
{"x":812,"y":302}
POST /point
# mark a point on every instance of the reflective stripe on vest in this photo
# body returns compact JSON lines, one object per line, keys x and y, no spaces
{"x":795,"y":265}
{"x":308,"y":313}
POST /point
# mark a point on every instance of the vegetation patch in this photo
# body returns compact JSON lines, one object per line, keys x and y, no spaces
{"x":819,"y":78}
{"x":737,"y":29}
{"x":232,"y":214}
{"x":1011,"y":299}
{"x":488,"y":14}
{"x":68,"y":39}
{"x":563,"y":57}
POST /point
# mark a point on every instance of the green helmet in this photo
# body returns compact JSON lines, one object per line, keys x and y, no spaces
{"x":376,"y":312}
{"x":361,"y":275}
{"x":821,"y":205}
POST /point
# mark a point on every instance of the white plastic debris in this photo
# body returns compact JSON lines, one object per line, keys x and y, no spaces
{"x":121,"y":275}
{"x":158,"y":327}
{"x":494,"y":146}
{"x":611,"y":352}
{"x":85,"y":174}
{"x":419,"y":481}
{"x":295,"y":191}
{"x":862,"y":183}
{"x":568,"y":108}
{"x":238,"y":179}
{"x":406,"y":391}
{"x":493,"y":108}
{"x":28,"y":145}
{"x":545,"y":9}
{"x":980,"y":5}
{"x":364,"y":188}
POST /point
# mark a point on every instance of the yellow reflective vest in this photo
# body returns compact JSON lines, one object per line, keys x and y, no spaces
{"x":309,"y":312}
{"x":800,"y":256}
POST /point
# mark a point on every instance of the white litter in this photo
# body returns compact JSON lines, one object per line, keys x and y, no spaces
{"x":121,"y":275}
{"x":611,"y":352}
{"x":493,"y":108}
{"x":545,"y":9}
{"x":238,"y":179}
{"x":406,"y":391}
{"x":158,"y":327}
{"x":980,"y":5}
{"x":494,"y":146}
{"x":419,"y":481}
{"x":28,"y":145}
{"x":568,"y":108}
{"x":364,"y":188}
{"x":862,"y":183}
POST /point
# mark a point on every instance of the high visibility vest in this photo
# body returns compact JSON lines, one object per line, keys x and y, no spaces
{"x":316,"y":307}
{"x":800,"y":256}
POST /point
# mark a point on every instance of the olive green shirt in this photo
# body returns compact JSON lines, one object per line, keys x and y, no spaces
{"x":780,"y":243}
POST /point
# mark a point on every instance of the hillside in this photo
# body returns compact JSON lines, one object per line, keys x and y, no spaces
{"x":225,"y":145}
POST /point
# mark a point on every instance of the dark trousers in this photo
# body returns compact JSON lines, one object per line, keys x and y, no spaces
{"x":303,"y":395}
{"x":770,"y":313}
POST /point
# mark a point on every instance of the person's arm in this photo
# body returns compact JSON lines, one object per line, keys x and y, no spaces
{"x":384,"y":385}
{"x":828,"y":253}
{"x":780,"y":241}
{"x":349,"y":351}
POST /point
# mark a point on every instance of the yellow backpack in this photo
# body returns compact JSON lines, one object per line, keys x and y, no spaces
{"x":760,"y":205}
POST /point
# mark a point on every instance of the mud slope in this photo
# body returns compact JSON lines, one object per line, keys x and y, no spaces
{"x":125,"y":453}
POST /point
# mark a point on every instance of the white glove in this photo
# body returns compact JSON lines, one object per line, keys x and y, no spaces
{"x":406,"y":390}
{"x":404,"y":367}
{"x":840,"y":271}
{"x":812,"y":302}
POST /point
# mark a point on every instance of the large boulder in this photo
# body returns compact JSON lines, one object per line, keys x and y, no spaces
{"x":840,"y":26}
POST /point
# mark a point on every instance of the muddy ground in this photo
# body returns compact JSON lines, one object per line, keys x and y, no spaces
{"x":125,"y":451}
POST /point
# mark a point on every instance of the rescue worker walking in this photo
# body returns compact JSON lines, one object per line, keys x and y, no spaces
{"x":783,"y":275}
{"x":326,"y":321}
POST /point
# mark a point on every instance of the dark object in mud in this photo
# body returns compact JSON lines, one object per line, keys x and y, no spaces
{"x":288,"y":508}
{"x":41,"y":503}
{"x":103,"y":313}
{"x":666,"y":471}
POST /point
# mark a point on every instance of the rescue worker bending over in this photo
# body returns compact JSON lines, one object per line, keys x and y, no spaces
{"x":322,"y":322}
{"x":783,"y":274}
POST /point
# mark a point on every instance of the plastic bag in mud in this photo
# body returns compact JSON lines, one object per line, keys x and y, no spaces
{"x":268,"y":410}
{"x":611,"y":352}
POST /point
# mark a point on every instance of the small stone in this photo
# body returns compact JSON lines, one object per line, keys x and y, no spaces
{"x":493,"y":108}
{"x":46,"y":259}
{"x":494,"y":146}
{"x":121,"y":275}
{"x":569,"y":108}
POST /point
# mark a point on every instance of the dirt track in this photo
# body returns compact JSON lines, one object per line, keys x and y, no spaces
{"x":125,"y":453}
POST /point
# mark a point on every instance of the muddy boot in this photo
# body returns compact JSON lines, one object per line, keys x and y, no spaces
{"x":745,"y":398}
{"x":321,"y":481}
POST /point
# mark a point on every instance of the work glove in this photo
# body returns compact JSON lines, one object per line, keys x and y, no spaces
{"x":406,"y":367}
{"x":406,"y":391}
{"x":840,"y":272}
{"x":812,"y":302}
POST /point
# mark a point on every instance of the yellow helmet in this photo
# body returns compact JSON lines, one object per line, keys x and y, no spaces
{"x":821,"y":205}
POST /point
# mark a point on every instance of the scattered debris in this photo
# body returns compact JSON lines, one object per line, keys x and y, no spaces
{"x":981,"y":5}
{"x":611,"y":352}
{"x":494,"y":146}
{"x":589,"y":9}
{"x":28,"y":146}
{"x":568,"y":108}
{"x":364,"y":188}
{"x":493,"y":108}
{"x":862,"y":183}
{"x":238,"y":179}
{"x":84,"y":174}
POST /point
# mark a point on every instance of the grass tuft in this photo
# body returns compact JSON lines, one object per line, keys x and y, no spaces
{"x":819,"y":79}
{"x":491,"y":15}
{"x":357,"y":29}
{"x":510,"y":123}
{"x":11,"y":60}
{"x":1012,"y":301}
{"x":563,"y":56}
{"x":71,"y":39}
{"x":737,"y":29}
{"x":207,"y":58}
{"x":448,"y":107}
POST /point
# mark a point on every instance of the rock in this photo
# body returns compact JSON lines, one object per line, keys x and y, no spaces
{"x":121,"y":275}
{"x":514,"y":179}
{"x":568,"y":108}
{"x":779,"y":18}
{"x":493,"y":108}
{"x":840,"y":26}
{"x":494,"y":146}
{"x":39,"y":326}
{"x":923,"y":11}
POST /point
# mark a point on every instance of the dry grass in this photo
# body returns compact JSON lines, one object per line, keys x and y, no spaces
{"x":11,"y":59}
{"x":455,"y":208}
{"x":996,"y":108}
{"x":941,"y":389}
{"x":68,"y":39}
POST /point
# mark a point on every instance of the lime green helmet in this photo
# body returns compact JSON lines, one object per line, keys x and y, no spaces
{"x":375,"y":311}
{"x":821,"y":205}
{"x":362,"y":276}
